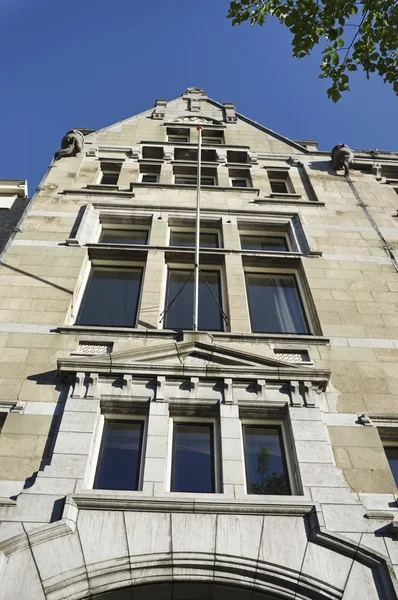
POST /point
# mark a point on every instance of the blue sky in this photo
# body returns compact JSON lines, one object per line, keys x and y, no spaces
{"x":89,"y":63}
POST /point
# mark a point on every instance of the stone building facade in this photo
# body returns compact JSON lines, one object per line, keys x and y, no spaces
{"x":253,"y":459}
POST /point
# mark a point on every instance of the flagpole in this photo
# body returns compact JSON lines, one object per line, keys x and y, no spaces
{"x":197,"y":237}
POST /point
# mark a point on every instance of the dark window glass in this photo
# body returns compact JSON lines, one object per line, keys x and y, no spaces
{"x":179,"y":314}
{"x":110,"y":173}
{"x":279,"y":187}
{"x":274,"y":303}
{"x":187,"y":238}
{"x":266,"y":471}
{"x":193,"y":458}
{"x":239,"y":183}
{"x":124,"y":236}
{"x":119,"y":462}
{"x":259,"y":242}
{"x":193,"y":181}
{"x":392,"y":457}
{"x":111,"y":297}
{"x":149,"y":178}
{"x":178,"y":138}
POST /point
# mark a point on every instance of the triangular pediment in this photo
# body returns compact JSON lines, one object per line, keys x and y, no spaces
{"x":192,"y":356}
{"x":178,"y":111}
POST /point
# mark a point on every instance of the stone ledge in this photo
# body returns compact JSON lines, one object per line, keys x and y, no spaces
{"x":288,"y":506}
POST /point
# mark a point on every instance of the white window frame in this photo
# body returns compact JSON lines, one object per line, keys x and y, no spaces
{"x":156,"y":175}
{"x":303,"y":295}
{"x":286,"y":235}
{"x":247,"y":179}
{"x":280,"y":423}
{"x":284,"y":178}
{"x":95,"y":450}
{"x":218,"y":484}
{"x":88,"y":267}
{"x":171,"y":266}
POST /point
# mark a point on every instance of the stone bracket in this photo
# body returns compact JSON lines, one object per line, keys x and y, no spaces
{"x":159,"y":110}
{"x":230,"y":112}
{"x":160,"y":388}
{"x":228,"y":391}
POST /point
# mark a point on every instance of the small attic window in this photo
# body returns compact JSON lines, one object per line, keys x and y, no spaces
{"x":155,"y":152}
{"x":110,"y":172}
{"x":212,"y":137}
{"x":237,"y":157}
{"x":177,"y":135}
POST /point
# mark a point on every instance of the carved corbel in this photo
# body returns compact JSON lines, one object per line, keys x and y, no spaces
{"x":228,"y":391}
{"x":221,"y":155}
{"x":159,"y":110}
{"x":261,"y":388}
{"x":79,"y":388}
{"x":135,"y":152}
{"x":92,"y":152}
{"x":253,"y":158}
{"x":309,"y":394}
{"x":230,"y":112}
{"x":168,"y":154}
{"x":160,"y":388}
{"x":194,"y":383}
{"x":295,"y":393}
{"x":92,"y":385}
{"x":127,"y":384}
{"x":376,"y":171}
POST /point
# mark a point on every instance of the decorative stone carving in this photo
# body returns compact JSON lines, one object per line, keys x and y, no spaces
{"x":92,"y":385}
{"x":71,"y":144}
{"x":199,"y":120}
{"x":93,"y":348}
{"x":194,"y":104}
{"x":342,"y":157}
{"x":300,"y":356}
{"x":159,"y":110}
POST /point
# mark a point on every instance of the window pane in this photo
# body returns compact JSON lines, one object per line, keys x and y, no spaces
{"x":266,"y":471}
{"x":149,"y":178}
{"x":124,"y":236}
{"x":239,"y":183}
{"x":257,"y":242}
{"x":119,"y":463}
{"x":109,"y":178}
{"x":111,"y":298}
{"x":275,"y":304}
{"x":279,"y":187}
{"x":193,"y":458}
{"x":180,"y":314}
{"x":392,"y":457}
{"x":187,"y":238}
{"x":181,"y":180}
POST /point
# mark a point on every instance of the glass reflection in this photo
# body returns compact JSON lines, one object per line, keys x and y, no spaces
{"x":179,"y":300}
{"x":275,"y":305}
{"x":193,"y":458}
{"x":119,"y":463}
{"x":265,"y":463}
{"x":187,"y":238}
{"x":111,"y":297}
{"x":257,"y":242}
{"x":124,"y":236}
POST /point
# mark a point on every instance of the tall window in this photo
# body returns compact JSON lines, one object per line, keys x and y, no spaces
{"x":120,"y":456}
{"x":275,"y":305}
{"x":179,"y":300}
{"x":266,"y":471}
{"x":392,"y":457}
{"x":187,"y":239}
{"x":110,"y":173}
{"x":193,"y":458}
{"x":111,"y":297}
